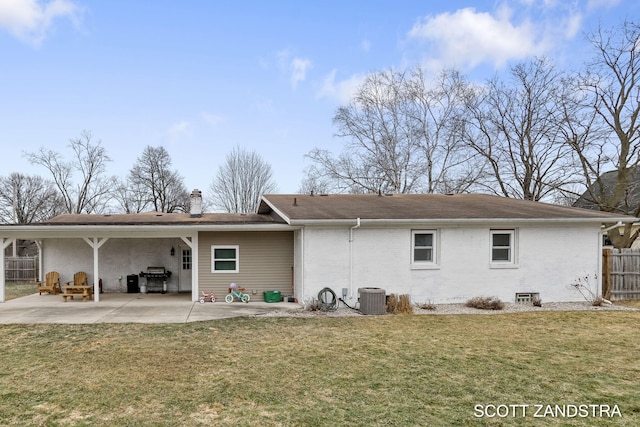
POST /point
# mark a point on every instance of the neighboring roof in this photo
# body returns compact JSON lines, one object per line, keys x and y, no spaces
{"x":162,"y":218}
{"x":298,"y":208}
{"x":604,"y":187}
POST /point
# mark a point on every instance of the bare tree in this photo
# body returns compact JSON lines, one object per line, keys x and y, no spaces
{"x":612,"y":88}
{"x":315,"y":182}
{"x":129,"y":197}
{"x":434,"y":111}
{"x":241,"y":181}
{"x":26,"y":199}
{"x":515,"y":128}
{"x":93,"y":192}
{"x":399,"y":137}
{"x":152,"y":184}
{"x":381,"y":153}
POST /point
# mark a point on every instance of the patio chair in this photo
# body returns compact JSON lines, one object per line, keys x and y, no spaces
{"x":78,"y":287}
{"x":79,"y":279}
{"x":51,"y":283}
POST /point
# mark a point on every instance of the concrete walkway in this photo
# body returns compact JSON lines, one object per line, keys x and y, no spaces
{"x":128,"y":308}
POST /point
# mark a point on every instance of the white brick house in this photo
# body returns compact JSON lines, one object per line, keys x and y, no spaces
{"x":438,"y":248}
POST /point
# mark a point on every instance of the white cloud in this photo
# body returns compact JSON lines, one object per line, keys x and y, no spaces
{"x":299,"y":68}
{"x":596,"y":4}
{"x":31,"y":20}
{"x":366,"y":45}
{"x":182,"y":128}
{"x":212,"y":119}
{"x":295,"y":67}
{"x":342,"y":91}
{"x":573,"y":25}
{"x":467,"y":38}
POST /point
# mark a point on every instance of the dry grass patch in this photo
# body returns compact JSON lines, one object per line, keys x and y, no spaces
{"x":14,"y":290}
{"x":399,"y":304}
{"x":485,"y":303}
{"x":351,"y":371}
{"x":635,"y":303}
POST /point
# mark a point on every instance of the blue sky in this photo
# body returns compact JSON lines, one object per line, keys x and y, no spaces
{"x":199,"y":77}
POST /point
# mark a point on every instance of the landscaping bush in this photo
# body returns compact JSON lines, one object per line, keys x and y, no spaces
{"x":485,"y":303}
{"x":399,"y":304}
{"x":314,"y":305}
{"x":426,"y":306}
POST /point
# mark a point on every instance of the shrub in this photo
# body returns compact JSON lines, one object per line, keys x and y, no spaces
{"x":537,"y":302}
{"x":426,"y":306}
{"x":399,"y":304}
{"x":485,"y":303}
{"x":314,"y":305}
{"x":584,"y":286}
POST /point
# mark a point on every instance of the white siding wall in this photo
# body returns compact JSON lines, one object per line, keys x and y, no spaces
{"x":326,"y":260}
{"x":549,"y":260}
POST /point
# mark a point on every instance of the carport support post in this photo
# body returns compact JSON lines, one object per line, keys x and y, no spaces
{"x":5,"y":244}
{"x":95,"y":243}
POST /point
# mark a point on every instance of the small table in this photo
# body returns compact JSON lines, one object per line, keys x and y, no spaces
{"x":76,"y":290}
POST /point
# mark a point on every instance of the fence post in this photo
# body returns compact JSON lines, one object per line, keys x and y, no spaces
{"x":606,"y":273}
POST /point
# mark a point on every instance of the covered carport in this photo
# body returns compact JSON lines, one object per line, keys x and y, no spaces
{"x":94,"y":237}
{"x":96,"y":230}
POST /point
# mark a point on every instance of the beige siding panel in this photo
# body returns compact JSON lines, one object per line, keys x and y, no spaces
{"x":266,"y":262}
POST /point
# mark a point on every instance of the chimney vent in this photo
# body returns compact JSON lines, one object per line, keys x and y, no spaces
{"x":195,"y":209}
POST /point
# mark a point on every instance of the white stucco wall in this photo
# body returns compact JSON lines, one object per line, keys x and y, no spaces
{"x":118,"y":258}
{"x":549,"y":260}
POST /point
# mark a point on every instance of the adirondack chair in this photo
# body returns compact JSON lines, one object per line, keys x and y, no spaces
{"x":78,"y":287}
{"x":51,"y":283}
{"x":79,"y":279}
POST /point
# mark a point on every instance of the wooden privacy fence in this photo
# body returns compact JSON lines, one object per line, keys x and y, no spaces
{"x":18,"y":269}
{"x":621,"y":274}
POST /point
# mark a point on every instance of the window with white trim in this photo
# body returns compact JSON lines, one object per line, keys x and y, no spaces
{"x":225,"y":259}
{"x":503,"y":247}
{"x":423,"y":248}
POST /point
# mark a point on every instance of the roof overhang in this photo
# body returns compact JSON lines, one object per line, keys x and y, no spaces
{"x":461,"y":221}
{"x":35,"y":232}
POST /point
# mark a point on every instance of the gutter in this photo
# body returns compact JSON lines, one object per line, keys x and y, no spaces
{"x":449,"y":221}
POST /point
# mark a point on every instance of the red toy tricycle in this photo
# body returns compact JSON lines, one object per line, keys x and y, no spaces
{"x":207,"y":296}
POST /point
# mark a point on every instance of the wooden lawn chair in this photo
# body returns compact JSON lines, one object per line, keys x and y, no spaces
{"x":51,"y":283}
{"x":79,"y":279}
{"x":78,"y":287}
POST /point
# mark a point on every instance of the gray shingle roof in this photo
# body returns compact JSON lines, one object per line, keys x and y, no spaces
{"x":161,"y":218}
{"x":605,"y":188}
{"x":421,"y":206}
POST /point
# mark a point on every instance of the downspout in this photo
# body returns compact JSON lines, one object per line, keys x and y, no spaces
{"x":302,"y":251}
{"x":604,"y":230}
{"x":351,"y":254}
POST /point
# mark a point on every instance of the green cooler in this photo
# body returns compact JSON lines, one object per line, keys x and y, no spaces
{"x":272,"y":296}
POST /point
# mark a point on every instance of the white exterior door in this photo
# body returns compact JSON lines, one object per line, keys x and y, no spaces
{"x":186,"y":264}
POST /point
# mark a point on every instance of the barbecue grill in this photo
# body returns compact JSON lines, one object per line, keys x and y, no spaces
{"x":158,"y":275}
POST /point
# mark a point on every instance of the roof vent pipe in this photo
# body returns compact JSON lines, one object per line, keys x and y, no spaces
{"x":195,"y":208}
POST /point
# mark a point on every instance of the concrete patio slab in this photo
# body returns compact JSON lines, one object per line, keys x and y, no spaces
{"x":128,"y":308}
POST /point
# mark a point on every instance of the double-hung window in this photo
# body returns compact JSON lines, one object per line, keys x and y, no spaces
{"x":225,"y":259}
{"x":503,"y":247}
{"x":424,"y":248}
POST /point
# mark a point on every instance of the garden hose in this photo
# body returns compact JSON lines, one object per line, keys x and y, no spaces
{"x":328,"y":299}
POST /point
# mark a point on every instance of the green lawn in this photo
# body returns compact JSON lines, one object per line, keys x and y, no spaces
{"x":353,"y":371}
